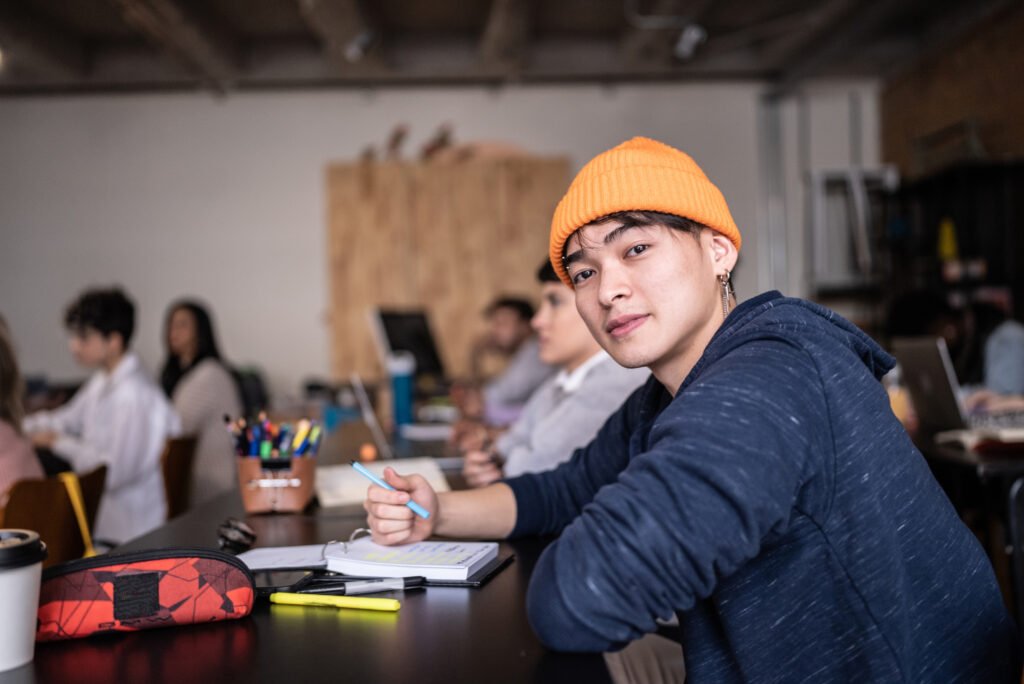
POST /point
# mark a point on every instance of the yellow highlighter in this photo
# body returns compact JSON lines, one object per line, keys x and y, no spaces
{"x":390,"y":605}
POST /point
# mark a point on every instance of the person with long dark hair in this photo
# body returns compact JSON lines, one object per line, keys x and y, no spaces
{"x":17,"y":460}
{"x":202,"y":391}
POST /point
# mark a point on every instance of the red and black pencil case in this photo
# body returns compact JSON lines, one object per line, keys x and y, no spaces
{"x":142,"y":590}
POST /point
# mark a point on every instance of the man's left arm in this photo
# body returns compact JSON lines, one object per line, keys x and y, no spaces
{"x":724,"y":464}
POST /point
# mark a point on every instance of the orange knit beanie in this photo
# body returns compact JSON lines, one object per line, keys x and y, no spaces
{"x":639,"y":175}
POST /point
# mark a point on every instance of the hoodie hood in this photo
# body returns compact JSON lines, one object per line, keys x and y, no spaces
{"x":771,"y":315}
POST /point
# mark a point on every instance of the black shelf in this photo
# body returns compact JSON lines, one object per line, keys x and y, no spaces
{"x":985,"y":201}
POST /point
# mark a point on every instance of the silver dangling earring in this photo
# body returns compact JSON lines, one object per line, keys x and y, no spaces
{"x":723,"y":281}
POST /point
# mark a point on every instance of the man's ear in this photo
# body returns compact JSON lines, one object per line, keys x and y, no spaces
{"x":723,"y":253}
{"x":118,"y":340}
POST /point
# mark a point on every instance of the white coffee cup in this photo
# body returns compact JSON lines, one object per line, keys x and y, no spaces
{"x":21,"y":568}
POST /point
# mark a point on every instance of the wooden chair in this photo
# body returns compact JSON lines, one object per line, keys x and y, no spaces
{"x":44,"y":506}
{"x":176,"y":465}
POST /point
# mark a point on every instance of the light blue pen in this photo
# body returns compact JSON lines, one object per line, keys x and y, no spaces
{"x":413,"y":506}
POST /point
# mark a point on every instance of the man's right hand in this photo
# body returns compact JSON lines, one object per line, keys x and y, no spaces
{"x":390,"y":520}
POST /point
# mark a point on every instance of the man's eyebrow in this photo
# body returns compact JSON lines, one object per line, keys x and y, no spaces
{"x":570,"y":259}
{"x":614,"y":235}
{"x":611,"y":237}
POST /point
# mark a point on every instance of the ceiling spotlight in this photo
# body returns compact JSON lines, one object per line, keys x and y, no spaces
{"x":357,"y":47}
{"x":692,"y":36}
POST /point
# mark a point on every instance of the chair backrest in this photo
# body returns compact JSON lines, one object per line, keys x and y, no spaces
{"x":176,"y":465}
{"x":252,"y":390}
{"x":44,"y":506}
{"x":1017,"y":540}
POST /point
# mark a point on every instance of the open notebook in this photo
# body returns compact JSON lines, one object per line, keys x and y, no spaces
{"x":441,"y":563}
{"x":434,"y":560}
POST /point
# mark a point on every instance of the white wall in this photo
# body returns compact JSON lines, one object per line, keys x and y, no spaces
{"x":827,"y":126}
{"x":187,"y":194}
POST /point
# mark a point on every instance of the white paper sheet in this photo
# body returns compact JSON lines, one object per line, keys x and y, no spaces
{"x":341,"y":485}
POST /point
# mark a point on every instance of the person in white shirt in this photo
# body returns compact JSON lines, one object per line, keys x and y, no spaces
{"x":119,"y":418}
{"x":203,"y":392}
{"x":568,"y":409}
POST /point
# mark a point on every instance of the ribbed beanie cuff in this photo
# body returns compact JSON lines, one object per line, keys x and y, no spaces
{"x":639,"y":175}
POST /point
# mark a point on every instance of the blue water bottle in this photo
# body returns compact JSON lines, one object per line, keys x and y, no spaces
{"x":402,"y":369}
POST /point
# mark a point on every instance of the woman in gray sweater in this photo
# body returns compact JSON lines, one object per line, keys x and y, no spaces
{"x":568,"y":409}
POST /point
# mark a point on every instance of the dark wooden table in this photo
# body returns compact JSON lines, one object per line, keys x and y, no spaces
{"x":441,"y":634}
{"x":986,"y":466}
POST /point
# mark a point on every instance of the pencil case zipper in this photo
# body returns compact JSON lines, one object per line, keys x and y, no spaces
{"x":80,"y":564}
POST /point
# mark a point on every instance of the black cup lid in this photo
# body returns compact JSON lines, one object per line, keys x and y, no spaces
{"x":19,"y":548}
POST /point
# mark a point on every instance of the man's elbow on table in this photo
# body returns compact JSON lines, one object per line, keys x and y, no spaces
{"x":555,"y":624}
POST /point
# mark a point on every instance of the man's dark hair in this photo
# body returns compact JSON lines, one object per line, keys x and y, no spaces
{"x":546,"y":273}
{"x":522,"y":307}
{"x":649,"y":218}
{"x":104,"y":310}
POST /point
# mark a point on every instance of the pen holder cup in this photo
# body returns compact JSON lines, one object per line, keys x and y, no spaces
{"x":279,"y":486}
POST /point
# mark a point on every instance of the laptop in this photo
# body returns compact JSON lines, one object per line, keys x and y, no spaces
{"x":384,"y":447}
{"x":927,"y":372}
{"x":369,"y":416}
{"x":409,"y":330}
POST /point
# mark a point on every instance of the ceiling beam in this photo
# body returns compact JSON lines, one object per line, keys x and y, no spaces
{"x":38,"y":46}
{"x":555,"y":59}
{"x":198,"y":42}
{"x":842,"y":26}
{"x":348,"y":37}
{"x":507,"y":34}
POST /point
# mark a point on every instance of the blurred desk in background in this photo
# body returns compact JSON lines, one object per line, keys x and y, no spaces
{"x":979,"y":486}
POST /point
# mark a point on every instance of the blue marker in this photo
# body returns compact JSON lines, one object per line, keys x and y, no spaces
{"x":413,"y":506}
{"x":254,"y":444}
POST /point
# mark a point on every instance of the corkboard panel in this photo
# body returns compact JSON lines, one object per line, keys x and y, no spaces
{"x":448,"y":238}
{"x":977,"y":78}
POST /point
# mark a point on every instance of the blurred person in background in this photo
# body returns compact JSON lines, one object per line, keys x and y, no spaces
{"x":17,"y":459}
{"x":119,"y":418}
{"x":568,"y":409}
{"x":202,"y":391}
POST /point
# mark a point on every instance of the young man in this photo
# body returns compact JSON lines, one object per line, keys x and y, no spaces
{"x":509,"y":335}
{"x":567,"y":410}
{"x":119,"y":418}
{"x":759,"y":486}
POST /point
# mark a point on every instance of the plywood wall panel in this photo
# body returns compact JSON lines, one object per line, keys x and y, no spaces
{"x":446,"y":237}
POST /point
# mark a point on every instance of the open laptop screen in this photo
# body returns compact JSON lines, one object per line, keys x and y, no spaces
{"x":407,"y":330}
{"x":928,"y":374}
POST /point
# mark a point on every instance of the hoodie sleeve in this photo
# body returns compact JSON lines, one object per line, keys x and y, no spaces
{"x":546,"y":502}
{"x":722,"y":469}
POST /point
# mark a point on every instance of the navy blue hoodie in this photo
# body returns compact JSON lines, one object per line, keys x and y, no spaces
{"x":777,"y":506}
